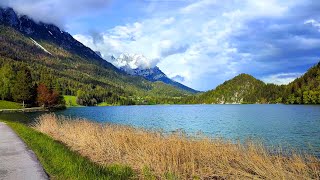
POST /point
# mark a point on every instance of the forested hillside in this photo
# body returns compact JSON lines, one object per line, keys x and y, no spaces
{"x":306,"y":89}
{"x":241,"y":89}
{"x":58,"y":61}
{"x":245,"y":88}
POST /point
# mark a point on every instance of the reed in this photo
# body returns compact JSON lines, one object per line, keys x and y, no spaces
{"x":156,"y":155}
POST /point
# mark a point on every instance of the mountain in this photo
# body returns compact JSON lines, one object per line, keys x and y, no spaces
{"x":241,"y":89}
{"x":131,"y":66}
{"x":98,"y":53}
{"x":53,"y":54}
{"x":49,"y":33}
{"x":235,"y":91}
{"x":305,"y":89}
{"x":155,"y":74}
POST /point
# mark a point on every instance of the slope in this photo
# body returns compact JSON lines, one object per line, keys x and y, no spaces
{"x":53,"y":54}
{"x":155,"y":74}
{"x":237,"y":90}
{"x":305,"y":89}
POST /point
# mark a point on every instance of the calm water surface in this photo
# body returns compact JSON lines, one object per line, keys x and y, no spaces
{"x":297,"y":126}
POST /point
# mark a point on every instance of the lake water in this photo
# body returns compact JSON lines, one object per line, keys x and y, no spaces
{"x":297,"y":126}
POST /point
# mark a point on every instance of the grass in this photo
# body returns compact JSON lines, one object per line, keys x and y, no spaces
{"x":155,"y":155}
{"x":61,"y":163}
{"x":104,"y":104}
{"x":71,"y":101}
{"x":9,"y":105}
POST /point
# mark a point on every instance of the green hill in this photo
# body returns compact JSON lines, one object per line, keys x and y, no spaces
{"x":245,"y":88}
{"x":306,"y":89}
{"x":240,"y":89}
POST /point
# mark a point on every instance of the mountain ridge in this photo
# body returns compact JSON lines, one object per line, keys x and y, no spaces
{"x":52,"y":33}
{"x":51,"y":53}
{"x":155,"y":74}
{"x":49,"y":32}
{"x":137,"y":65}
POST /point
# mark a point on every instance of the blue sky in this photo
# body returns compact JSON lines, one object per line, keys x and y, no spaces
{"x":200,"y":43}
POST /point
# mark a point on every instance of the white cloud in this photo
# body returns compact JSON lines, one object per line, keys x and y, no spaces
{"x":281,"y":78}
{"x":135,"y":61}
{"x":194,"y":41}
{"x":314,"y":23}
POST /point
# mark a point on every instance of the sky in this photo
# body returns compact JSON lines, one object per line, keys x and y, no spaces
{"x":200,"y":43}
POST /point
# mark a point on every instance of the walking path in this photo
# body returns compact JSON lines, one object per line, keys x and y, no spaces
{"x":16,"y":160}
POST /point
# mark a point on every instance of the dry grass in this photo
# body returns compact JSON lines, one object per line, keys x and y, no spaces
{"x":155,"y":155}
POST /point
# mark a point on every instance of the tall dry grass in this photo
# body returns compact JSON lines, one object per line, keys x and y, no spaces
{"x":160,"y":156}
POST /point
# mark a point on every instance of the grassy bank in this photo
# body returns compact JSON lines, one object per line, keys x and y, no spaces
{"x":9,"y":105}
{"x":61,"y":163}
{"x":163,"y":156}
{"x":71,"y":101}
{"x":104,"y":104}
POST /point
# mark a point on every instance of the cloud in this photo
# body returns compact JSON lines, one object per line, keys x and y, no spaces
{"x":282,"y":78}
{"x":135,"y":61}
{"x":55,"y":11}
{"x":174,"y":50}
{"x":97,"y":37}
{"x":203,"y":41}
{"x":178,"y":78}
{"x":314,"y":23}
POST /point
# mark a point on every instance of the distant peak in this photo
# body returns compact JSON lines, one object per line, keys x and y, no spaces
{"x":98,"y":53}
{"x":135,"y":61}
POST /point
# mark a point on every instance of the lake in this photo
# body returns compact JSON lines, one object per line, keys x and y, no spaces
{"x":295,"y":126}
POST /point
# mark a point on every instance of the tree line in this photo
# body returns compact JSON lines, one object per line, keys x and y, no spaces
{"x":305,"y":89}
{"x":17,"y":85}
{"x":246,"y":89}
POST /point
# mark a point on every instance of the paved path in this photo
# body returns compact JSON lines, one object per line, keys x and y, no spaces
{"x":17,"y":162}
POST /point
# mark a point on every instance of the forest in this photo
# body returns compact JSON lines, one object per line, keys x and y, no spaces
{"x":306,"y":89}
{"x":17,"y":85}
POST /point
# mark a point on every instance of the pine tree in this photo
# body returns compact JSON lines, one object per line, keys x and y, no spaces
{"x":6,"y":81}
{"x":23,"y":88}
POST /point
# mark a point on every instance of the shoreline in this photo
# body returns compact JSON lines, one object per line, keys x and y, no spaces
{"x":158,"y":153}
{"x":153,"y":154}
{"x":59,"y":162}
{"x":23,"y":110}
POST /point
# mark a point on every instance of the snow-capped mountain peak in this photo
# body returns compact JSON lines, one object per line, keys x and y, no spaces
{"x":135,"y":61}
{"x":152,"y":74}
{"x":139,"y":65}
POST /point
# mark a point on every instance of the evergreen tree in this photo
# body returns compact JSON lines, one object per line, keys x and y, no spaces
{"x":23,"y":89}
{"x":6,"y":81}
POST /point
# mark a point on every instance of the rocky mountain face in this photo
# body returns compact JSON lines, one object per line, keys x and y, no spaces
{"x":50,"y":33}
{"x":152,"y":74}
